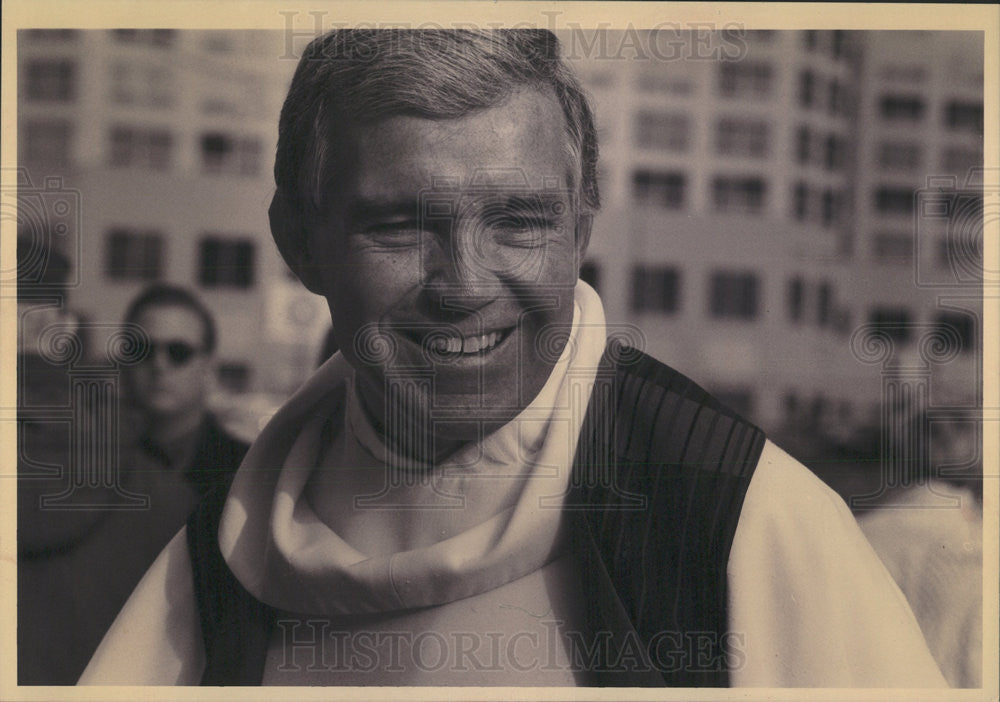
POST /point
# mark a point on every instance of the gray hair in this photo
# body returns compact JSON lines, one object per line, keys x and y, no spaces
{"x":361,"y":75}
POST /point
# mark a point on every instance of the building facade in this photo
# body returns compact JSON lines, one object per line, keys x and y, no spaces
{"x":168,"y":137}
{"x":761,"y":207}
{"x":761,"y":198}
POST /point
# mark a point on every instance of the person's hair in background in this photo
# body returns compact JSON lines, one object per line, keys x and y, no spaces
{"x":168,"y":295}
{"x":357,"y":76}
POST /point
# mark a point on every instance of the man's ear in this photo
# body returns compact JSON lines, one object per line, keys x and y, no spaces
{"x":584,"y":224}
{"x":290,"y":233}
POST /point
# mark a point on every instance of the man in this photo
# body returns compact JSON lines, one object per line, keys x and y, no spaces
{"x":169,"y":389}
{"x":482,"y":487}
{"x":171,"y":452}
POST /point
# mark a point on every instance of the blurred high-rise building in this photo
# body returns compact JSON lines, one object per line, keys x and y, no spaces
{"x":760,"y":196}
{"x":169,"y":138}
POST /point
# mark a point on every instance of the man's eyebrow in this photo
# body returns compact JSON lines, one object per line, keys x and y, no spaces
{"x":533,"y":197}
{"x":367,"y":210}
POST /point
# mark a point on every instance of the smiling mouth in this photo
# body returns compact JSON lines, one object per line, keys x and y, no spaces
{"x":466,"y":345}
{"x":471,"y":345}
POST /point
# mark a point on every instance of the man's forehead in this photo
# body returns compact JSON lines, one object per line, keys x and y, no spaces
{"x":521,"y":144}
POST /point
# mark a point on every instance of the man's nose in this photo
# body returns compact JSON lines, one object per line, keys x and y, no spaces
{"x":460,"y":267}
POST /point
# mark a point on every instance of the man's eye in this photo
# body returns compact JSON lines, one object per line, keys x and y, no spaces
{"x":520,"y":230}
{"x":402,"y":233}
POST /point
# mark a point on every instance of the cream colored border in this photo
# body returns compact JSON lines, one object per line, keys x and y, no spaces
{"x":202,"y":14}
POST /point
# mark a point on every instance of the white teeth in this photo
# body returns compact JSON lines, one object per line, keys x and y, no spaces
{"x":467,"y":345}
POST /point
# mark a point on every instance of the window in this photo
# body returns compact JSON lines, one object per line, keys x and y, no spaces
{"x":51,"y":80}
{"x":733,"y":295}
{"x":893,"y":247}
{"x":894,"y":200}
{"x":964,"y":116}
{"x":744,"y":79}
{"x":892,"y":321}
{"x":902,"y":107}
{"x":803,"y":144}
{"x":800,"y":202}
{"x":133,"y":255}
{"x":227,"y":154}
{"x":959,"y":160}
{"x":655,"y":289}
{"x":790,"y":402}
{"x":838,"y":44}
{"x":226,"y":262}
{"x":139,"y":147}
{"x":899,"y":155}
{"x":834,"y":153}
{"x":835,"y":97}
{"x":739,"y":194}
{"x":52,"y":34}
{"x":824,"y":303}
{"x":956,"y":324}
{"x":831,"y":207}
{"x":664,"y":189}
{"x":807,"y":88}
{"x":47,"y":141}
{"x":215,"y":152}
{"x":662,"y":131}
{"x":590,"y":273}
{"x":741,"y":137}
{"x":162,"y":38}
{"x":796,"y":298}
{"x":817,"y":408}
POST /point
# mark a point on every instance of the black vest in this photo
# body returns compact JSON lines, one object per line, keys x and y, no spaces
{"x":658,"y":481}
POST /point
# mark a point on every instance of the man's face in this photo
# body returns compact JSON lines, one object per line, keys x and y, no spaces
{"x":172,"y":379}
{"x":451,"y":245}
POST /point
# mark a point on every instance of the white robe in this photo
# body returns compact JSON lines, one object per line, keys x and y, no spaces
{"x":810,"y":604}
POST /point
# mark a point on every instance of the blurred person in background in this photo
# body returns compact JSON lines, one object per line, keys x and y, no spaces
{"x":436,"y":478}
{"x":931,"y":541}
{"x":169,"y":390}
{"x":171,"y":450}
{"x":45,"y":535}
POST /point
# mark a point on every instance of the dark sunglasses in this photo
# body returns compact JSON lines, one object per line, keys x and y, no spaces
{"x":178,"y":352}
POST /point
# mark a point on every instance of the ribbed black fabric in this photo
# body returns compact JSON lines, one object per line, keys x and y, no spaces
{"x":658,"y":491}
{"x":235,"y":626}
{"x":659,"y":477}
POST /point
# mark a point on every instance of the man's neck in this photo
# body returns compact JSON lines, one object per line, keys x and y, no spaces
{"x":410,"y":438}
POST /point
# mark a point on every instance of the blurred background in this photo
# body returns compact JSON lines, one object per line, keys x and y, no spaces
{"x":770,"y":199}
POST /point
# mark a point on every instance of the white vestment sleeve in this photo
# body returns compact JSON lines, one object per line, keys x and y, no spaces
{"x":156,"y":638}
{"x":812,"y":602}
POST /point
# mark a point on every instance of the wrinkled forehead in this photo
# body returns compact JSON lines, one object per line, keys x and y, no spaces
{"x":519,"y":146}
